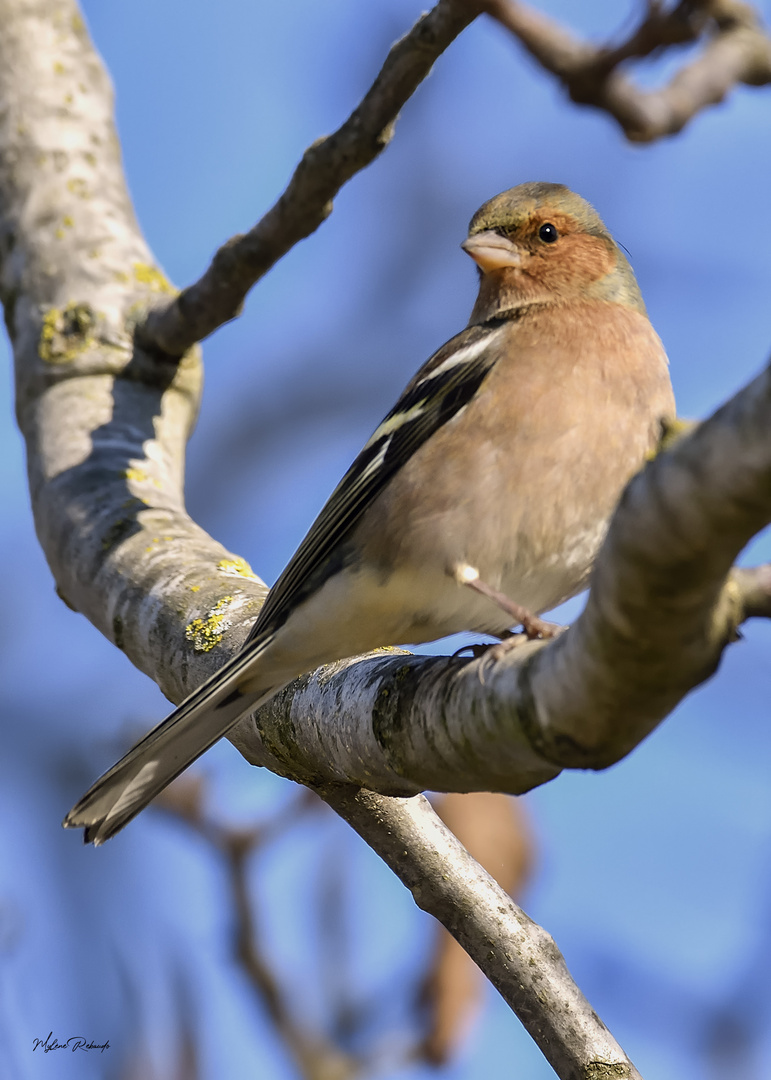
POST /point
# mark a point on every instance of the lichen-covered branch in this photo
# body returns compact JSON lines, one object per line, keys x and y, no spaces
{"x":105,"y":424}
{"x":735,"y":49}
{"x":307,"y":201}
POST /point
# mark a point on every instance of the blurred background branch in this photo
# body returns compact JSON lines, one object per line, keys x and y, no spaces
{"x":446,"y":994}
{"x":734,"y":48}
{"x":315,"y":1056}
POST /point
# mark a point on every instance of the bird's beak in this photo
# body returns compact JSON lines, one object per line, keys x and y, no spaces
{"x":491,"y":251}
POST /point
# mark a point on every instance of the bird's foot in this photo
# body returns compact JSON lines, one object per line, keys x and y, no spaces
{"x":477,"y":649}
{"x":497,"y":650}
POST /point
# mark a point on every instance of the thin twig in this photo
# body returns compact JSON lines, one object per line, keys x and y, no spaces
{"x":307,"y":201}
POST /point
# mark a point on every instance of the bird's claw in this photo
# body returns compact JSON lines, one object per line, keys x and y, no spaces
{"x":534,"y":629}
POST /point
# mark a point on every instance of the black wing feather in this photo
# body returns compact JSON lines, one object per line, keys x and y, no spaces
{"x":433,"y":400}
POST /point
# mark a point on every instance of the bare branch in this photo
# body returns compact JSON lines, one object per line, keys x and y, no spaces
{"x":307,"y":201}
{"x":520,"y":958}
{"x":495,"y":831}
{"x":735,"y":50}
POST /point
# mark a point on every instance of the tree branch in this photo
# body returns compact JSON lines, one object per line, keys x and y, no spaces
{"x":735,"y":50}
{"x":517,"y":955}
{"x":753,"y":584}
{"x":307,"y":201}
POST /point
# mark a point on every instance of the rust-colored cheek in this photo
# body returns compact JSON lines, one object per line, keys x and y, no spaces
{"x":576,"y":260}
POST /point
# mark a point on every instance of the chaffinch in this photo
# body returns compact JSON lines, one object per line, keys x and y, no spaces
{"x":493,"y":477}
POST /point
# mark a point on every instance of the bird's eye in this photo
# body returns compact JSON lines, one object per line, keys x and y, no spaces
{"x":548,"y":233}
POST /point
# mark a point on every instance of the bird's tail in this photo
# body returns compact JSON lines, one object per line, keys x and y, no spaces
{"x":168,"y":749}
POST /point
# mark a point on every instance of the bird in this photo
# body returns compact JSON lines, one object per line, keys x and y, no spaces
{"x":483,"y":495}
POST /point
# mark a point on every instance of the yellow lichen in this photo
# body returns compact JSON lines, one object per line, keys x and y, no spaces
{"x":120,"y":276}
{"x":139,"y":475}
{"x":68,"y":99}
{"x":155,"y":539}
{"x":78,"y":187}
{"x":66,"y":333}
{"x":672,"y":430}
{"x":195,"y":588}
{"x":236,"y":566}
{"x":67,"y":222}
{"x":59,"y":68}
{"x":152,"y":276}
{"x":207,"y":632}
{"x":59,"y":234}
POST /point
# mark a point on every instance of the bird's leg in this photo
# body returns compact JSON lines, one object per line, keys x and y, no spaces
{"x":533,"y":626}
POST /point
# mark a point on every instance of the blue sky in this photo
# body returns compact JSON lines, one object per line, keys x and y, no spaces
{"x":653,"y":877}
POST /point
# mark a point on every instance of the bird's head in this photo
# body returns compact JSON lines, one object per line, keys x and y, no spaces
{"x":541,"y":243}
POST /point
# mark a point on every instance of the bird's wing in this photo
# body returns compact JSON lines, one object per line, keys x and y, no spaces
{"x":441,"y":388}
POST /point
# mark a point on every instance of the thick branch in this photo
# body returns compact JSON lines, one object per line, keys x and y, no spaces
{"x":325,"y":166}
{"x":736,"y":50}
{"x":105,"y":424}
